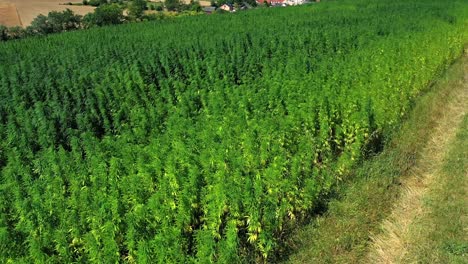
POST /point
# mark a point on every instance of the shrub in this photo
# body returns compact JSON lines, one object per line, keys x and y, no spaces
{"x":103,"y":15}
{"x":3,"y":33}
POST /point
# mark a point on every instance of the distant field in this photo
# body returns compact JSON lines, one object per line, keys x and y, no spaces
{"x":8,"y":15}
{"x":29,"y":9}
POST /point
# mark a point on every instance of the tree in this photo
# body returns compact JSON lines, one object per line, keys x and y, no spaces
{"x":64,"y":21}
{"x":40,"y":26}
{"x":3,"y":33}
{"x":97,"y":2}
{"x":16,"y":32}
{"x":137,"y":8}
{"x":55,"y":22}
{"x":104,"y":15}
{"x":251,"y":3}
{"x":195,"y":6}
{"x":172,"y":5}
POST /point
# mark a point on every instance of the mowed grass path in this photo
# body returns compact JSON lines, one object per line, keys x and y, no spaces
{"x":407,"y":204}
{"x":440,"y":234}
{"x":415,"y":226}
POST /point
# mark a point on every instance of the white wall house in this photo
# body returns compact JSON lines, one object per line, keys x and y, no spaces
{"x":295,"y":2}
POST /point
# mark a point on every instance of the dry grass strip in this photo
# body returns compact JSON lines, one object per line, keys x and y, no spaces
{"x":390,"y":246}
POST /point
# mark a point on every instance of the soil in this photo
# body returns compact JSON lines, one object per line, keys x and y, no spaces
{"x":30,"y":9}
{"x":8,"y":15}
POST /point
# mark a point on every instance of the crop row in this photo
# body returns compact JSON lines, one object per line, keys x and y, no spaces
{"x":201,"y":139}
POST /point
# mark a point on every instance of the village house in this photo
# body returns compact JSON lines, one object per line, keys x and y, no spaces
{"x":295,"y":2}
{"x":228,"y":8}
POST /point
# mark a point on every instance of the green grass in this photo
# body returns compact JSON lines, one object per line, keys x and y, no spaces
{"x":439,"y":236}
{"x":341,"y":235}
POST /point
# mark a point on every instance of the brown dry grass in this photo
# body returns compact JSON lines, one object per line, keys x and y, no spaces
{"x":8,"y":15}
{"x":393,"y":243}
{"x":30,"y":9}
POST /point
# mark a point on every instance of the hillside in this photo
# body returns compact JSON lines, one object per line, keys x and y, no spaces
{"x":204,"y":139}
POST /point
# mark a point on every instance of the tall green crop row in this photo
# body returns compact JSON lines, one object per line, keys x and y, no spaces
{"x":200,"y":139}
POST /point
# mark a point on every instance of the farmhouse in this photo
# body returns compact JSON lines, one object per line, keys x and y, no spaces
{"x":228,"y":8}
{"x":295,"y":2}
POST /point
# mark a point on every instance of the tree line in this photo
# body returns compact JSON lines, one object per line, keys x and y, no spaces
{"x":106,"y":13}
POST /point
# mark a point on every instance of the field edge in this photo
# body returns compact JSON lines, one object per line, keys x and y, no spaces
{"x":342,"y":234}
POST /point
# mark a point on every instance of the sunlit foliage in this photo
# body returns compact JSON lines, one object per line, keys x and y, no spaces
{"x":200,"y":139}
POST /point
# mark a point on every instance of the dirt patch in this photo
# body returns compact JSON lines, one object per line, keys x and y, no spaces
{"x":8,"y":15}
{"x":29,"y":9}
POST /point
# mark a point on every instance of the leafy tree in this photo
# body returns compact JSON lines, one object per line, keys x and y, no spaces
{"x":40,"y":26}
{"x":65,"y":20}
{"x":16,"y":32}
{"x":55,"y":22}
{"x":99,"y":2}
{"x":159,"y":8}
{"x":251,"y":2}
{"x":94,"y":2}
{"x":237,"y":3}
{"x":3,"y":33}
{"x":222,"y":2}
{"x":111,"y":14}
{"x":137,"y":8}
{"x":172,"y":5}
{"x":195,"y":6}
